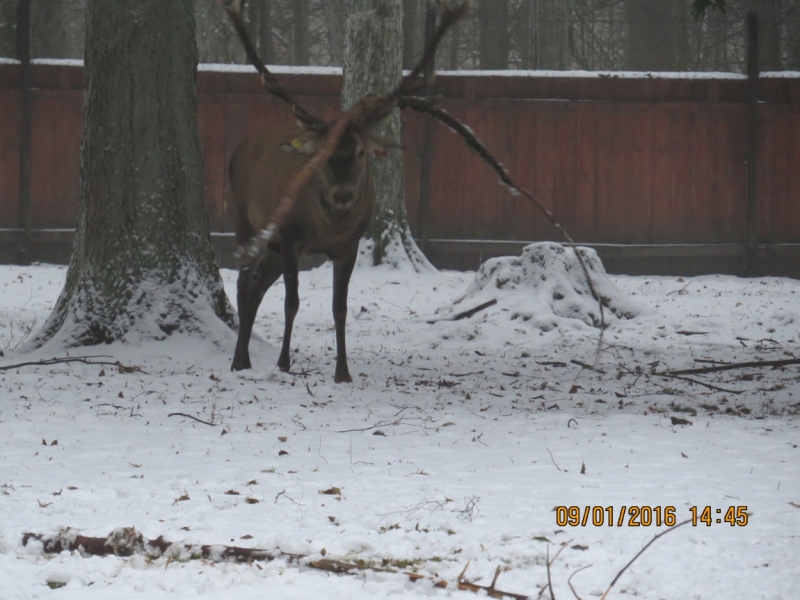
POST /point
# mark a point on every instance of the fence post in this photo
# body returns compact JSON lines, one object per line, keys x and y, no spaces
{"x":24,"y":56}
{"x":427,"y":140}
{"x":752,"y":139}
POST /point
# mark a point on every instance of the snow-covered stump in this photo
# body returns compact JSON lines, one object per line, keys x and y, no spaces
{"x":547,"y":287}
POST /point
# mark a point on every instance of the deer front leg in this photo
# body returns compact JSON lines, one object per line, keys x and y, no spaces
{"x":291,"y":303}
{"x":342,"y":270}
{"x":255,"y":278}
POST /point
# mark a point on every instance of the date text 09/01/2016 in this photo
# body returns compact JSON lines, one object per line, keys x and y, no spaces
{"x":646,"y":516}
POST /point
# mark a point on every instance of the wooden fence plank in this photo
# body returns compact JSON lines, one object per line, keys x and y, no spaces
{"x":55,"y":158}
{"x":564,"y":169}
{"x":447,"y":182}
{"x":545,"y":166}
{"x":696,"y":215}
{"x":524,"y":171}
{"x":585,"y":175}
{"x":10,"y":111}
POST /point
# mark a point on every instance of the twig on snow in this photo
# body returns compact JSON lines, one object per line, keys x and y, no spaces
{"x":179,"y":414}
{"x":550,"y":562}
{"x":384,"y":424}
{"x":587,"y":366}
{"x":698,"y":382}
{"x":64,"y":359}
{"x":569,"y":581}
{"x":467,"y":313}
{"x":553,"y":459}
{"x":730,"y":366}
{"x":638,"y":554}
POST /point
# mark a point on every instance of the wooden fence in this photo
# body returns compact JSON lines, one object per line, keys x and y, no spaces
{"x":651,"y":171}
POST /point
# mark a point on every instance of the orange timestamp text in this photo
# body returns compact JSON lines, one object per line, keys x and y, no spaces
{"x":646,"y":516}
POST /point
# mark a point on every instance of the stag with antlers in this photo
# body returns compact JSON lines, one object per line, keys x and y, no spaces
{"x":305,"y":188}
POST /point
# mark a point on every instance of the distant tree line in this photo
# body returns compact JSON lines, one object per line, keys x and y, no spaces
{"x":652,"y":35}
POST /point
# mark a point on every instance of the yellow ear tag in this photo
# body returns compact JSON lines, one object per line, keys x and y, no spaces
{"x":297,"y":143}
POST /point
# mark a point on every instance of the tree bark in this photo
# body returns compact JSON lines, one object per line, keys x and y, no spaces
{"x":652,"y":35}
{"x":412,"y":32}
{"x":373,"y":65}
{"x":142,"y":265}
{"x":493,"y":33}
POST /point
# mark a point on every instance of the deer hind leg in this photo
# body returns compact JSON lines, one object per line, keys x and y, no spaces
{"x":255,"y":278}
{"x":342,"y":270}
{"x":291,"y":303}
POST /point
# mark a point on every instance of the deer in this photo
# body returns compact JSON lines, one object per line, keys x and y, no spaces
{"x":305,"y":188}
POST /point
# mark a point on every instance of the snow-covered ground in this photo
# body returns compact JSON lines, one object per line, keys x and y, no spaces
{"x":453,"y":445}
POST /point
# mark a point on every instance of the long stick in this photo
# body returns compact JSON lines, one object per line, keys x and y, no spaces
{"x":127,"y":541}
{"x":638,"y":554}
{"x":731,"y":366}
{"x":66,"y":359}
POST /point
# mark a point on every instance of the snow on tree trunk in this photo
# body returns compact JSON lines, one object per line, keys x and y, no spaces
{"x":373,"y":58}
{"x":142,"y":265}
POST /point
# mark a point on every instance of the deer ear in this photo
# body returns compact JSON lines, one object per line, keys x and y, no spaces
{"x":305,"y":143}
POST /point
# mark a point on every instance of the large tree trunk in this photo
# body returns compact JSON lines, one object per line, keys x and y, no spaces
{"x":652,"y":35}
{"x":413,"y":30}
{"x":142,"y":264}
{"x":493,"y":34}
{"x":373,"y":65}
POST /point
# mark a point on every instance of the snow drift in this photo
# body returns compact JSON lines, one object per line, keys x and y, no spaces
{"x":546,"y":285}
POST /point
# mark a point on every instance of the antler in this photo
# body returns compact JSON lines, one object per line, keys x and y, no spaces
{"x":382,"y":106}
{"x":429,"y":107}
{"x":234,"y":10}
{"x":450,"y":16}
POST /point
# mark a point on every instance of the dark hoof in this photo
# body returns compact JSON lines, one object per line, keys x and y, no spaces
{"x":240,"y":363}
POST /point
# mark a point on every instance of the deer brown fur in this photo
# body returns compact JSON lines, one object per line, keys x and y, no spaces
{"x":303,"y":189}
{"x":329,"y":213}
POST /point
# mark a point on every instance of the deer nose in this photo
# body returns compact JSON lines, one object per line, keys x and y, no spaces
{"x":342,"y":196}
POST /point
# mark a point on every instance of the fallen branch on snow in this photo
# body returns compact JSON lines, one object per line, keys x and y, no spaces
{"x":126,"y":541}
{"x":191,"y":417}
{"x":731,"y":366}
{"x":669,"y":375}
{"x":638,"y":554}
{"x":66,"y":359}
{"x":467,"y":313}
